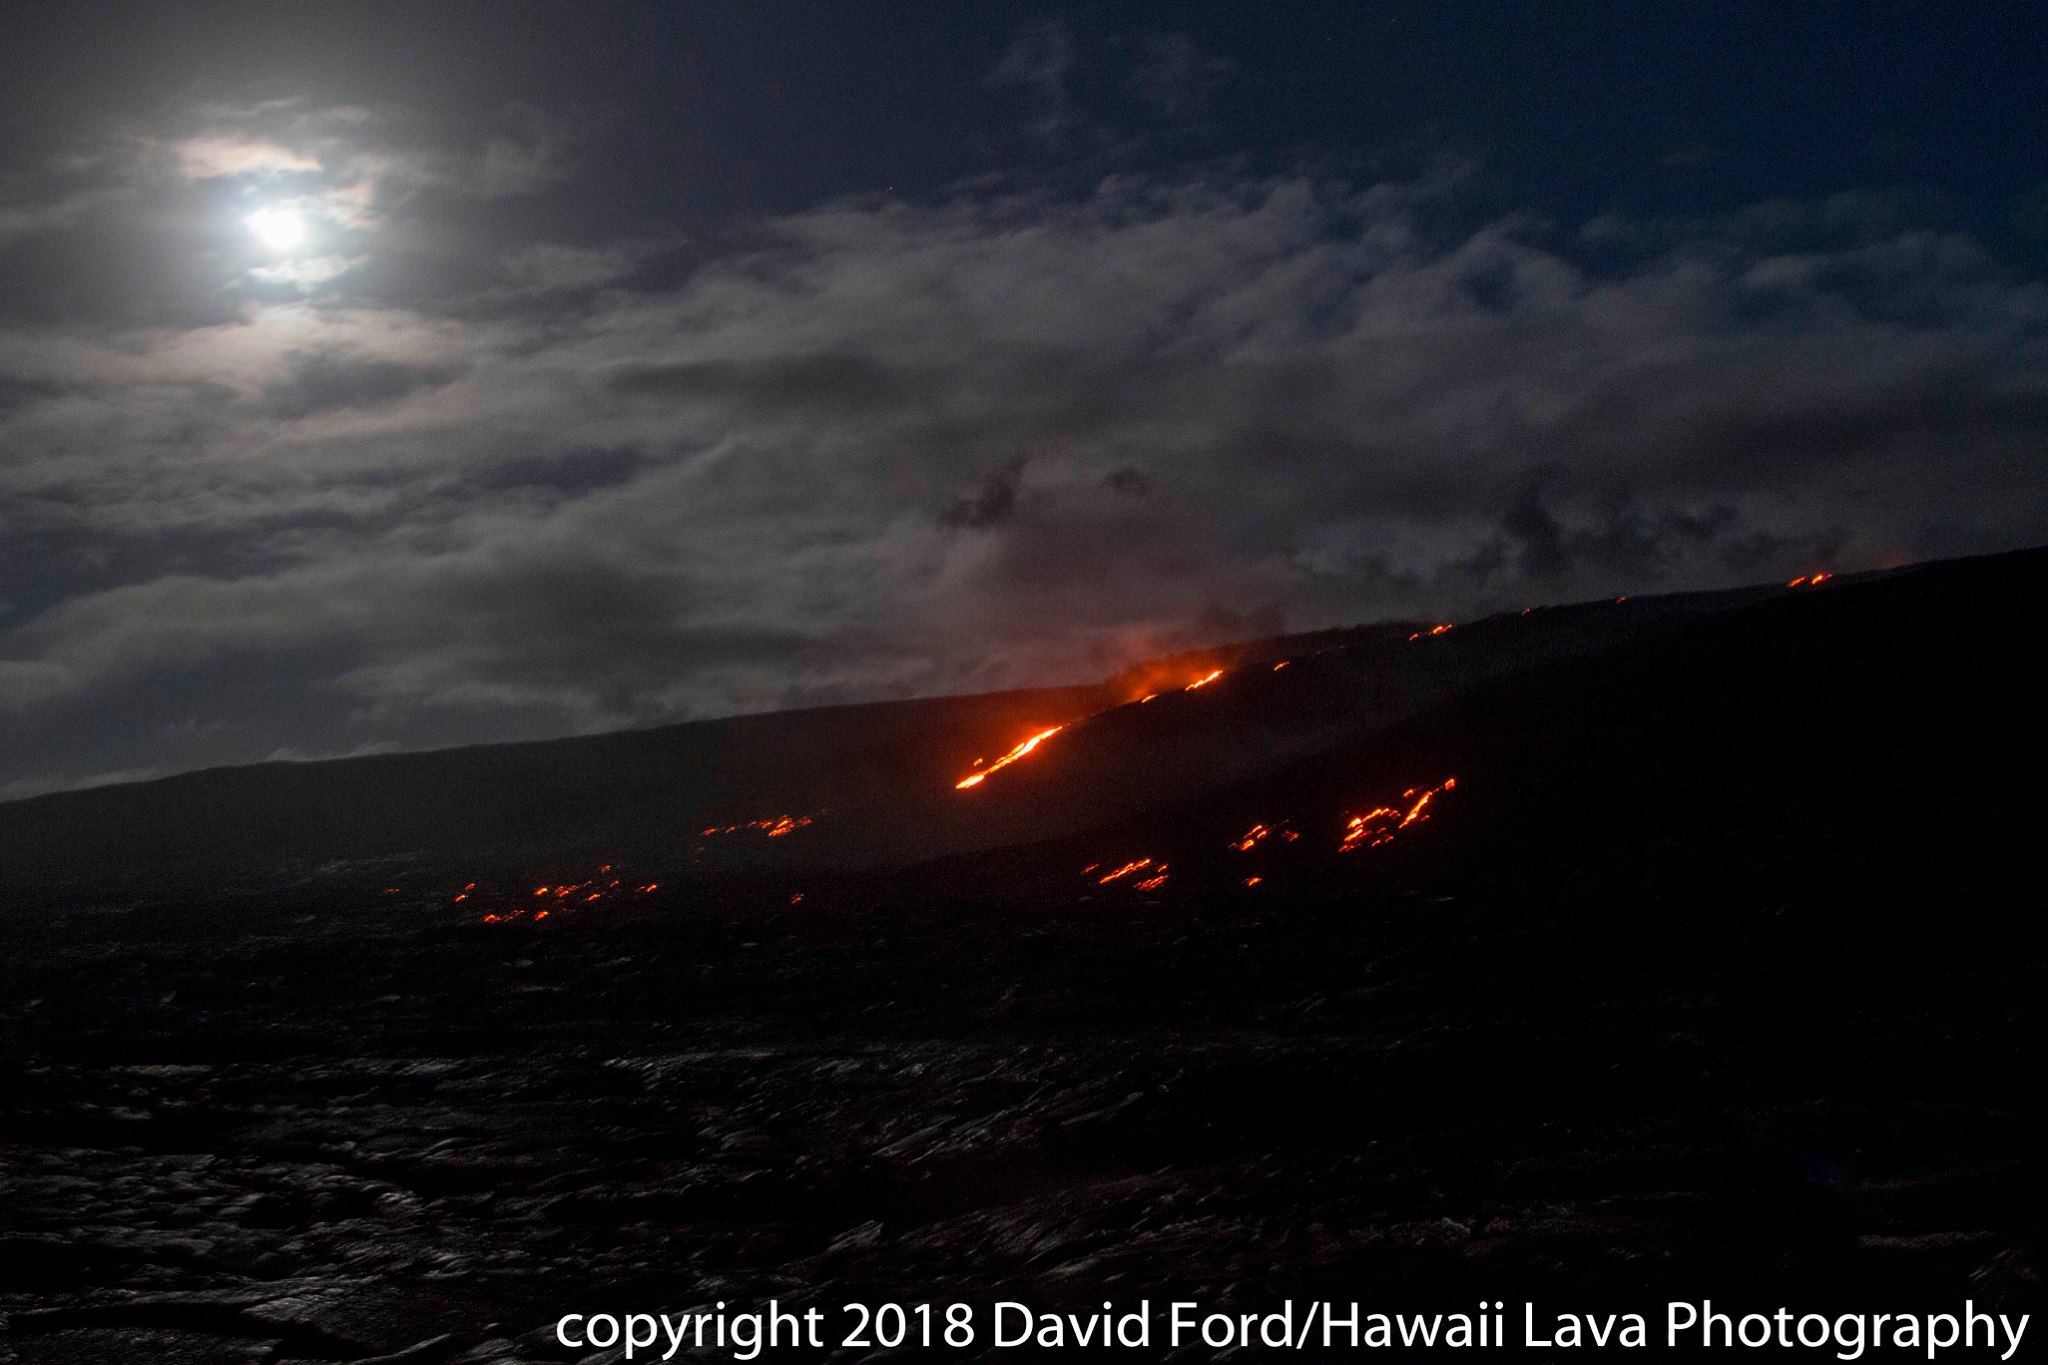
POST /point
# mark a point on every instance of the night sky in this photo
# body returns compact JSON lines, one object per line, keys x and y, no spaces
{"x":382,"y":377}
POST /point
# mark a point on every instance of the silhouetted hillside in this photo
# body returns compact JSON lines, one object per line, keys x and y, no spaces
{"x":1683,"y":948}
{"x":877,"y":782}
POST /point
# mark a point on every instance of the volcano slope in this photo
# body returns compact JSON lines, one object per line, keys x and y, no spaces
{"x":1712,"y":967}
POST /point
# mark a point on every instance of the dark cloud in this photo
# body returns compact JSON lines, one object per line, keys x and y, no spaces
{"x":322,"y":380}
{"x":828,"y":381}
{"x":1174,"y":78}
{"x":990,"y":503}
{"x":1040,"y":61}
{"x":1128,"y":480}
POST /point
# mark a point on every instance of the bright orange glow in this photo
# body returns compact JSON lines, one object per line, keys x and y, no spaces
{"x":983,"y":771}
{"x":511,"y":905}
{"x":1023,"y":750}
{"x":1380,"y":824}
{"x":1154,"y":877}
{"x":1253,"y":881}
{"x":1433,"y":630}
{"x":1369,"y":830}
{"x":1251,"y":838}
{"x":773,"y":829}
{"x":1282,"y":664}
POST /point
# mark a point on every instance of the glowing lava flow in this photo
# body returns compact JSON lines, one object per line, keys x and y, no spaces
{"x":1810,"y":580}
{"x":1258,"y":834}
{"x":562,"y":896}
{"x":773,"y":829}
{"x":1433,"y":630}
{"x":1380,"y":824}
{"x":975,"y":779}
{"x":1126,"y":870}
{"x":982,"y":772}
{"x":1154,"y":877}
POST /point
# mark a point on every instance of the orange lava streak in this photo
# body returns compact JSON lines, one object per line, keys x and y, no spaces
{"x":1433,"y":630}
{"x":1126,"y":870}
{"x":1204,"y":680}
{"x":1380,"y":824}
{"x":1810,"y":580}
{"x":608,"y":886}
{"x":1369,"y":830}
{"x":1251,"y":838}
{"x":1023,"y":750}
{"x":773,"y":829}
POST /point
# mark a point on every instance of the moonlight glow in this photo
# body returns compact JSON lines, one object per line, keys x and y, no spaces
{"x":277,"y":227}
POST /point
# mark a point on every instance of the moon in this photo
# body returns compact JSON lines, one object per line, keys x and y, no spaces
{"x":278,"y":227}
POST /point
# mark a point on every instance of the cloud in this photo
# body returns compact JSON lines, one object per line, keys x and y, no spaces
{"x":1040,"y":61}
{"x":1174,"y":78}
{"x":989,"y":503}
{"x":502,"y":479}
{"x":325,"y":379}
{"x":212,"y":156}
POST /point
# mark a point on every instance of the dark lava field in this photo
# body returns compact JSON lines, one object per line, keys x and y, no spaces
{"x":1713,"y":967}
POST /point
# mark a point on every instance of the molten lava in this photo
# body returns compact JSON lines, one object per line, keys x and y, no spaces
{"x":1382,"y":823}
{"x":1023,"y":750}
{"x":1154,"y":874}
{"x":1810,"y":580}
{"x":1126,"y":870}
{"x":1433,"y":630}
{"x":982,"y":771}
{"x":771,"y":829}
{"x":607,"y":885}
